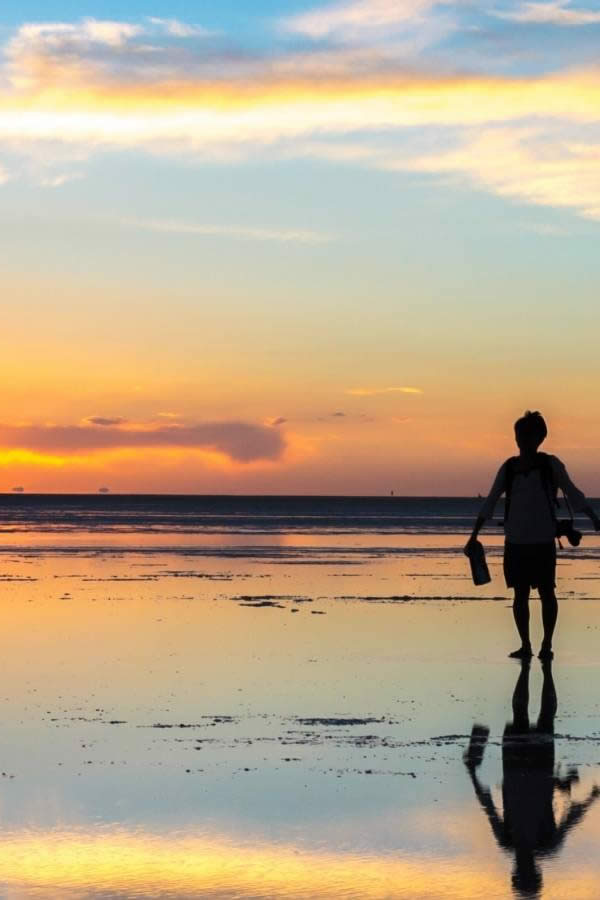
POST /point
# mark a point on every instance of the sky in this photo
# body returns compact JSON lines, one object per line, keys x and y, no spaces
{"x":296,"y":247}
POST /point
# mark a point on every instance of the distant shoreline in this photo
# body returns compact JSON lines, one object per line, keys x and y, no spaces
{"x":109,"y":494}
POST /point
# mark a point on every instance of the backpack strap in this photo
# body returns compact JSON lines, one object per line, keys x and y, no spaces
{"x":510,"y":465}
{"x":548,"y":482}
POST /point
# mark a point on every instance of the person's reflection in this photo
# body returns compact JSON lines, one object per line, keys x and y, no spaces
{"x":528,"y":827}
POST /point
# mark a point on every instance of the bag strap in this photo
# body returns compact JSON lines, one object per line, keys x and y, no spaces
{"x":510,"y":477}
{"x":550,"y":487}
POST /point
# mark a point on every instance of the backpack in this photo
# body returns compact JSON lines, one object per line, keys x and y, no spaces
{"x":544,"y":464}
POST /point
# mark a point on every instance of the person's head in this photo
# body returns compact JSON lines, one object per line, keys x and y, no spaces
{"x":530,"y":431}
{"x":527,"y":876}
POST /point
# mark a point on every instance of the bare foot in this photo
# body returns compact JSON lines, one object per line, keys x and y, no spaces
{"x":524,"y":652}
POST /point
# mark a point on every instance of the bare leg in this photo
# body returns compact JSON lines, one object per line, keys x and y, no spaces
{"x":549,"y":616}
{"x":549,"y":700}
{"x":521,"y":616}
{"x":520,"y":700}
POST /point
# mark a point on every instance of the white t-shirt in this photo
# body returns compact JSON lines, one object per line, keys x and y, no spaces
{"x":530,"y":517}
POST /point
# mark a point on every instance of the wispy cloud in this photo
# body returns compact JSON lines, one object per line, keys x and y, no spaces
{"x":359,"y":18}
{"x":80,"y":88}
{"x":546,"y":229}
{"x":521,"y":163}
{"x":179,"y":29}
{"x":376,"y":392}
{"x":105,"y":420}
{"x":59,"y":35}
{"x":241,"y":232}
{"x":557,"y":12}
{"x":239,"y":441}
{"x":55,"y":181}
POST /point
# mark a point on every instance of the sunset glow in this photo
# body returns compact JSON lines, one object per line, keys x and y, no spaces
{"x":336,"y":248}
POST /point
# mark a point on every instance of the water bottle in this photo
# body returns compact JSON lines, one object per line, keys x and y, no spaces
{"x":479,"y":569}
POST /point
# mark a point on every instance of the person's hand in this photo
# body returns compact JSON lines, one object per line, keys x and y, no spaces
{"x":473,"y":755}
{"x":468,"y":548}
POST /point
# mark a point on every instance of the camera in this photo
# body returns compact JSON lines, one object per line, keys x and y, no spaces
{"x":564,"y":528}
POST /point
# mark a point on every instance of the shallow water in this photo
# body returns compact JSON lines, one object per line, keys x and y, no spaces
{"x":284,"y":716}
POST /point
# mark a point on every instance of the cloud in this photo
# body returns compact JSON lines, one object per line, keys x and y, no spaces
{"x":105,"y":420}
{"x":58,"y":36}
{"x":558,"y":12}
{"x":35,"y":53}
{"x":546,"y":229}
{"x":338,"y":415}
{"x":54,"y":181}
{"x":179,"y":29}
{"x":275,"y":423}
{"x":241,"y":232}
{"x":239,"y":441}
{"x":377,"y":392}
{"x":72,"y":90}
{"x":356,"y":19}
{"x":523,"y":165}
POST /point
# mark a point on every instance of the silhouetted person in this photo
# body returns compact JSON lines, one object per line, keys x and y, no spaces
{"x":528,"y":827}
{"x":530,"y":482}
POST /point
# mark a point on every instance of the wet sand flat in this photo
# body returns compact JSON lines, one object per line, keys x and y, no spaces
{"x":276,"y":718}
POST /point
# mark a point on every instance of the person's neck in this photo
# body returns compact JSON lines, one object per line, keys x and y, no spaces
{"x":528,"y":456}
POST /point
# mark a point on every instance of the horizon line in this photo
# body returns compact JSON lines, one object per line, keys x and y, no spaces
{"x":111,"y":493}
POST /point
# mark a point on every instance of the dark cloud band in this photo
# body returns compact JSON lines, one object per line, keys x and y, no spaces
{"x":240,"y":441}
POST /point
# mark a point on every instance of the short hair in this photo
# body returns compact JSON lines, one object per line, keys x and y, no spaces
{"x":531,"y":424}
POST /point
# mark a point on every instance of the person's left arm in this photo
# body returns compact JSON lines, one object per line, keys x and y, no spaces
{"x":576,"y":498}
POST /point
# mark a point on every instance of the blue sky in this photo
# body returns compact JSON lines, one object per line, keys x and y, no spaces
{"x":238,"y":18}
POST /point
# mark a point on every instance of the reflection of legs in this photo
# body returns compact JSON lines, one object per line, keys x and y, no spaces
{"x":549,"y":701}
{"x":520,"y":700}
{"x":521,"y":616}
{"x":549,"y":616}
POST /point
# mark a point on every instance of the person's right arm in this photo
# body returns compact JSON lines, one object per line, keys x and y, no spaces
{"x":487,"y":510}
{"x":576,"y":498}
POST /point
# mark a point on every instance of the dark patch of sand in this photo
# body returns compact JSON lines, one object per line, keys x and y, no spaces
{"x":262,"y":603}
{"x":334,"y":720}
{"x":7,"y":578}
{"x":209,"y":721}
{"x":407,"y":598}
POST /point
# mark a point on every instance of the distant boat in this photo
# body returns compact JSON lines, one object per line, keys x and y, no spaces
{"x":104,"y":490}
{"x":18,"y":490}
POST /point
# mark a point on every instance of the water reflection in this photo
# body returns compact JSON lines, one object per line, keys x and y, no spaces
{"x":528,"y":827}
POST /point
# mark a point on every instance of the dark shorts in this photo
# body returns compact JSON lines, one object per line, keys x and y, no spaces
{"x":530,"y":565}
